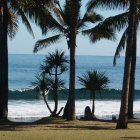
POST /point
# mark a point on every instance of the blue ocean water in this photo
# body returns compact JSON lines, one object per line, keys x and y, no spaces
{"x":22,"y":71}
{"x":23,"y":68}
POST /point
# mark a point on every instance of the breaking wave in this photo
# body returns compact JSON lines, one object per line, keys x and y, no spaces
{"x":29,"y":94}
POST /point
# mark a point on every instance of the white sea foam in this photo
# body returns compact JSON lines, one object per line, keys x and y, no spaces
{"x":31,"y":110}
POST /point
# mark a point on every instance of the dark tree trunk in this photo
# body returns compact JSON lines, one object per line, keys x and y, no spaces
{"x":1,"y":27}
{"x":73,"y":32}
{"x":46,"y":102}
{"x":123,"y":116}
{"x":65,"y":113}
{"x":4,"y":64}
{"x":93,"y":100}
{"x":132,"y":74}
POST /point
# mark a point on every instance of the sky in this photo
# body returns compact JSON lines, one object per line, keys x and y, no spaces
{"x":23,"y":43}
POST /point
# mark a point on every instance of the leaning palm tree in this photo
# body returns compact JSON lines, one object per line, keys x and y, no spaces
{"x":94,"y":81}
{"x":73,"y":24}
{"x":55,"y":65}
{"x":131,"y":48}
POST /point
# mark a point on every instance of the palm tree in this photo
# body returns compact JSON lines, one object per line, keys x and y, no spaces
{"x":45,"y":84}
{"x":4,"y":65}
{"x":9,"y":27}
{"x":0,"y":41}
{"x":120,"y":22}
{"x":73,"y":24}
{"x":94,"y":81}
{"x":55,"y":65}
{"x":122,"y":121}
{"x":11,"y":10}
{"x":123,"y":42}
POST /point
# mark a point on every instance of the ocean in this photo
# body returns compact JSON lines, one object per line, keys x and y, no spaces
{"x":25,"y":105}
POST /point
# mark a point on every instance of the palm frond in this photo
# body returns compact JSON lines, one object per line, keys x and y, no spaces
{"x":12,"y":24}
{"x":56,"y":59}
{"x":40,"y":44}
{"x":117,"y":22}
{"x":108,"y":4}
{"x":100,"y":32}
{"x":93,"y":80}
{"x":41,"y":84}
{"x":25,"y":21}
{"x":56,"y":12}
{"x":89,"y":17}
{"x":121,"y":46}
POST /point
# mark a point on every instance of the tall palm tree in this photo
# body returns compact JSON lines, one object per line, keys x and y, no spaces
{"x":120,"y":22}
{"x":121,"y":47}
{"x":94,"y":81}
{"x":4,"y":65}
{"x":122,"y":121}
{"x":11,"y":10}
{"x":72,"y":25}
{"x":123,"y":42}
{"x":55,"y":65}
{"x":0,"y":41}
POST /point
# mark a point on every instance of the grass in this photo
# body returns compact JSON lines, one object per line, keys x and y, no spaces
{"x":60,"y":129}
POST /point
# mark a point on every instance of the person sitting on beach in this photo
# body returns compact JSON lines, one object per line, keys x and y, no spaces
{"x":88,"y":115}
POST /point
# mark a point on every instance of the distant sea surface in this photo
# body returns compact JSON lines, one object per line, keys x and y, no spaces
{"x":23,"y":105}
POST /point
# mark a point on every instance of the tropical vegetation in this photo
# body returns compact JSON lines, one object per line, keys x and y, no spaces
{"x":94,"y":81}
{"x":55,"y":64}
{"x":67,"y":22}
{"x":72,"y":25}
{"x":10,"y":13}
{"x":128,"y":86}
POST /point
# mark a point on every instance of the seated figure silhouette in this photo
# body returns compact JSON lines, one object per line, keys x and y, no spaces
{"x":88,"y":115}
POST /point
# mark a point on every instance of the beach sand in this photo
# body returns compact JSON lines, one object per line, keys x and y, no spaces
{"x":60,"y":129}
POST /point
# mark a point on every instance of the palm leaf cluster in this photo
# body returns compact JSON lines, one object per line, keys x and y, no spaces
{"x":62,"y":29}
{"x":24,"y":10}
{"x":94,"y":80}
{"x":45,"y":84}
{"x":55,"y":60}
{"x":108,"y":4}
{"x":118,"y":22}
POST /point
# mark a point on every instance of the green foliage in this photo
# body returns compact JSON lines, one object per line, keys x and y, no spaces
{"x":63,"y":28}
{"x":108,"y":4}
{"x":118,"y":22}
{"x":41,"y":84}
{"x":94,"y":81}
{"x":45,"y":84}
{"x":56,"y":60}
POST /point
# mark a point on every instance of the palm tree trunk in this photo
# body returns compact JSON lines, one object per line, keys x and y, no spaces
{"x":46,"y":102}
{"x":132,"y":74}
{"x":4,"y":64}
{"x":55,"y":94}
{"x":93,"y":100}
{"x":73,"y":32}
{"x":123,"y":116}
{"x":1,"y":23}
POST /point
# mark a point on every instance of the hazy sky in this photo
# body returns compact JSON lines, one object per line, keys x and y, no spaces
{"x":24,"y":42}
